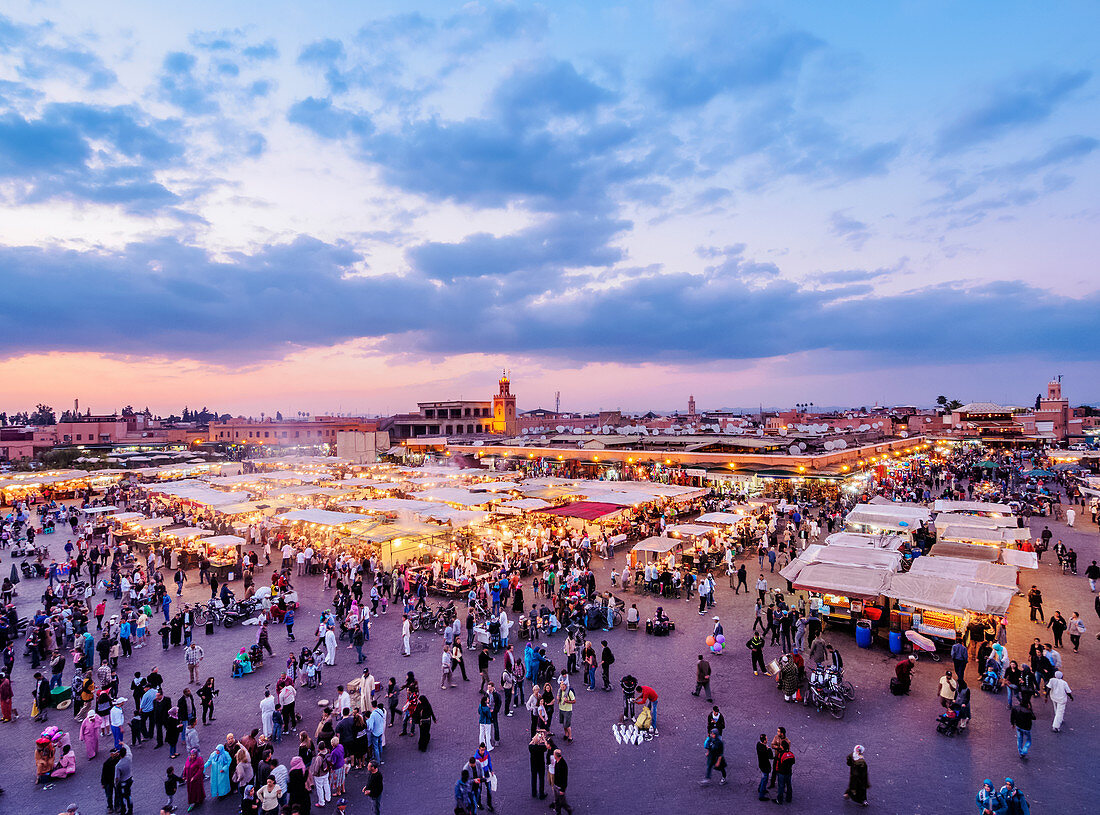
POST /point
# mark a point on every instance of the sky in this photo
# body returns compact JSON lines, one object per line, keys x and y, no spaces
{"x":349,"y":207}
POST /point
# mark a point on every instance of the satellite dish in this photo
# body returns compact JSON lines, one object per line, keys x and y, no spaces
{"x":802,"y":445}
{"x":759,"y":431}
{"x":561,"y":428}
{"x":782,"y":431}
{"x":904,"y":434}
{"x":793,"y":449}
{"x":841,"y":443}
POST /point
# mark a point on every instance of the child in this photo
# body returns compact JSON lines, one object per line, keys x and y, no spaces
{"x":289,"y":620}
{"x":318,"y":665}
{"x":277,"y":719}
{"x":614,"y":577}
{"x":311,"y":675}
{"x":171,"y":784}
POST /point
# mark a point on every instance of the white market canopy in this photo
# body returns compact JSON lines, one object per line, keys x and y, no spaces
{"x":972,"y":507}
{"x":980,"y":521}
{"x":846,"y":581}
{"x":964,"y":570}
{"x":391,"y":505}
{"x":848,"y":557}
{"x":945,"y":594}
{"x":198,"y":493}
{"x":98,"y":510}
{"x":456,"y":495}
{"x":185,"y":532}
{"x":243,"y":508}
{"x":320,"y":517}
{"x":689,"y":530}
{"x":657,"y":545}
{"x":125,"y":517}
{"x":974,"y":534}
{"x":720,"y":518}
{"x":223,"y":541}
{"x":455,"y":517}
{"x":152,"y":523}
{"x":989,"y":554}
{"x":860,"y":540}
{"x":525,"y":504}
{"x":887,"y":516}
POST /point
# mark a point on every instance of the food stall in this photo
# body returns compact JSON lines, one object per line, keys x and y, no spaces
{"x":942,"y":607}
{"x":184,"y":543}
{"x":898,"y":519}
{"x":656,"y":549}
{"x":699,"y":536}
{"x":224,"y":554}
{"x":840,"y":580}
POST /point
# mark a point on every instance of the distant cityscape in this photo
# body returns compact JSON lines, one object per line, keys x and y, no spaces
{"x":482,"y":425}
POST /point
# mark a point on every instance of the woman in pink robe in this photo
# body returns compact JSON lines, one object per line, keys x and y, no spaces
{"x":89,"y":733}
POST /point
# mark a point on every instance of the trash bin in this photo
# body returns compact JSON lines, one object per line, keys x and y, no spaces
{"x":895,"y":642}
{"x":863,"y":633}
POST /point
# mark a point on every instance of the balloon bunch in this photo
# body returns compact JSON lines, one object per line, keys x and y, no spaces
{"x":716,"y":644}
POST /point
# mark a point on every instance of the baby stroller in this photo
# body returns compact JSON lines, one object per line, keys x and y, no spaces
{"x":948,"y":721}
{"x":991,"y":682}
{"x":494,"y":636}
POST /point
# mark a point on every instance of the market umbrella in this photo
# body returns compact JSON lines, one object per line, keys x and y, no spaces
{"x":986,"y":465}
{"x":14,"y":574}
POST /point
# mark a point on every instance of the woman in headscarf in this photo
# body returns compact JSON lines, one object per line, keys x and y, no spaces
{"x":67,"y":765}
{"x":857,"y":777}
{"x":425,"y":716}
{"x":193,"y":778}
{"x":249,"y":804}
{"x":89,"y":733}
{"x":218,"y":767}
{"x":172,"y":731}
{"x":297,"y":784}
{"x":43,"y":759}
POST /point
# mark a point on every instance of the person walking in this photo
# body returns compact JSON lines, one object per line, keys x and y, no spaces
{"x":485,"y":722}
{"x":1092,"y":574}
{"x":764,"y":759}
{"x":756,"y":648}
{"x":406,"y":635}
{"x":1076,"y":628}
{"x":373,"y":789}
{"x":702,"y":678}
{"x":1059,"y":692}
{"x":1057,"y":626}
{"x":1022,"y":718}
{"x":742,"y":579}
{"x":948,"y":686}
{"x":561,"y":783}
{"x":715,"y":755}
{"x":858,"y":783}
{"x":1014,"y":800}
{"x":960,"y":657}
{"x":989,"y":801}
{"x":1035,"y":602}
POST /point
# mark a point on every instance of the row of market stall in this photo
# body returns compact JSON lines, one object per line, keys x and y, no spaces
{"x":877,"y":572}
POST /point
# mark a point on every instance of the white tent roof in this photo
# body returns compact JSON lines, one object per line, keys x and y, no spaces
{"x":153,"y":523}
{"x":859,"y":539}
{"x":689,"y":530}
{"x":657,"y":544}
{"x":972,"y":507}
{"x":186,"y":532}
{"x":720,"y":518}
{"x":98,"y":510}
{"x":391,"y":505}
{"x":856,"y":557}
{"x":944,"y":594}
{"x":890,"y":516}
{"x":456,"y":495}
{"x":965,"y":570}
{"x":223,"y":541}
{"x":985,"y":535}
{"x":322,"y":517}
{"x":845,"y":580}
{"x":123,"y":517}
{"x":526,"y":504}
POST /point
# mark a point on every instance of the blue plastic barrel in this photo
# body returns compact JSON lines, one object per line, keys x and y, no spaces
{"x":895,"y":642}
{"x":863,"y":634}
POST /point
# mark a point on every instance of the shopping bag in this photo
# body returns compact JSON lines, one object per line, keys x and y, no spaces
{"x":493,"y":781}
{"x":644,"y":720}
